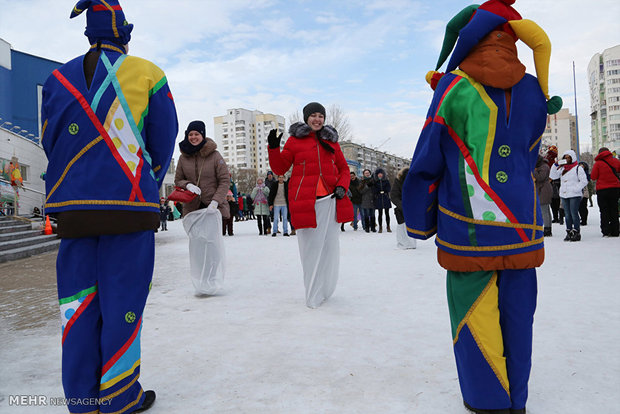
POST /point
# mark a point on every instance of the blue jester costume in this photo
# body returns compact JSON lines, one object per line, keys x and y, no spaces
{"x":109,"y":128}
{"x":471,"y":184}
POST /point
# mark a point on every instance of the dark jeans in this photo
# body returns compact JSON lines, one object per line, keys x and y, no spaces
{"x":263,"y":223}
{"x":571,"y":210}
{"x":368,"y":219}
{"x":164,"y":224}
{"x":387,"y":216}
{"x":608,"y":205}
{"x":558,"y":213}
{"x":227,"y":224}
{"x":583,"y":211}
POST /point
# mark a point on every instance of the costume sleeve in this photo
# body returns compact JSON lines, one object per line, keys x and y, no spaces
{"x":419,"y":193}
{"x":344,"y":175}
{"x":223,"y":179}
{"x":160,"y":126}
{"x":280,"y":161}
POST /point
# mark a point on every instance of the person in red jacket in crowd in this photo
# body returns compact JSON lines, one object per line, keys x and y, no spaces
{"x":317,"y":197}
{"x":605,"y":171}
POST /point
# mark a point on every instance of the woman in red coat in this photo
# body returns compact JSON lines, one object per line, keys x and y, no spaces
{"x":317,"y":197}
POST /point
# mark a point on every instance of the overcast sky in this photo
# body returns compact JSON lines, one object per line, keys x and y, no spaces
{"x":368,"y":57}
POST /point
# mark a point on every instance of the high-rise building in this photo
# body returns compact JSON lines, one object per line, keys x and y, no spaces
{"x":561,"y":131}
{"x":241,"y":137}
{"x":604,"y":81}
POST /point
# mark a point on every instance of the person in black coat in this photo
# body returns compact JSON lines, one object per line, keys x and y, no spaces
{"x":368,"y":206}
{"x":381,"y":190}
{"x":164,"y":211}
{"x":227,"y":223}
{"x":356,"y":197}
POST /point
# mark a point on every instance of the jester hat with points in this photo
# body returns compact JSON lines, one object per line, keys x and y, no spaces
{"x":105,"y":20}
{"x":474,"y":22}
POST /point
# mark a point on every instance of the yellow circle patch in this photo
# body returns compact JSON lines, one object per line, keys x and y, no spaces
{"x":132,"y":148}
{"x":117,"y":142}
{"x":119,"y":123}
{"x":131,"y":165}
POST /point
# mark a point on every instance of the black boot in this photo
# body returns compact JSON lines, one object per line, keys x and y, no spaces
{"x":569,"y":235}
{"x":576,"y":236}
{"x":547,"y":232}
{"x":149,"y":399}
{"x":479,"y":411}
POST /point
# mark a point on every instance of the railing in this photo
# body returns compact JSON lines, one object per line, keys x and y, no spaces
{"x":7,"y":210}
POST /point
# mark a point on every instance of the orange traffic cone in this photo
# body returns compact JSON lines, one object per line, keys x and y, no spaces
{"x":48,"y":226}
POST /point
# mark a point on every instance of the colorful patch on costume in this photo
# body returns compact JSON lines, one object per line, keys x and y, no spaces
{"x":124,"y":362}
{"x":72,"y":307}
{"x":122,"y":136}
{"x":476,"y":306}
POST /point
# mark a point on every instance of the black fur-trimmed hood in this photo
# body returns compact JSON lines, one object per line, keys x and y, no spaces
{"x":302,"y":130}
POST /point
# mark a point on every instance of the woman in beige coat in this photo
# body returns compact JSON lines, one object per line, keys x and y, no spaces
{"x":202,"y":170}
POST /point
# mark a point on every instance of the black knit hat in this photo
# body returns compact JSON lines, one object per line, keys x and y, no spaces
{"x":197,"y":126}
{"x":311,"y":108}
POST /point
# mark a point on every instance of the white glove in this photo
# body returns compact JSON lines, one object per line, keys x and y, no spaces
{"x":193,"y":188}
{"x":213,"y":205}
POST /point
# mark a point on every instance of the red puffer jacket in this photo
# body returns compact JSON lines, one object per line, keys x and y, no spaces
{"x":602,"y":173}
{"x":310,"y":160}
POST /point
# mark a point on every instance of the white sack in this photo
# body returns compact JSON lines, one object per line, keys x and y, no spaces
{"x":403,"y":241}
{"x":206,"y":250}
{"x":319,"y":249}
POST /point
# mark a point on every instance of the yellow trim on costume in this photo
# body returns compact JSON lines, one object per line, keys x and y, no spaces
{"x":73,"y":161}
{"x":131,"y":404}
{"x":77,"y":11}
{"x":422,"y":233}
{"x":483,"y":322}
{"x":113,"y":17}
{"x":90,"y":412}
{"x":102,"y":203}
{"x":106,"y":46}
{"x":428,"y":210}
{"x":490,"y":223}
{"x":535,"y":37}
{"x":489,"y":248}
{"x":535,"y":202}
{"x":43,"y":128}
{"x":157,"y":168}
{"x":110,"y":116}
{"x":119,"y":378}
{"x":486,"y":164}
{"x":122,"y":390}
{"x":534,"y":144}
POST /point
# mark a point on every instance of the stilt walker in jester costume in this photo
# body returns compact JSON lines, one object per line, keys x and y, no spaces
{"x":471,"y":184}
{"x":109,"y":128}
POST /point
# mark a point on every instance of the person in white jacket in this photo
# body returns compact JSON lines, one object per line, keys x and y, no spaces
{"x":572,"y":178}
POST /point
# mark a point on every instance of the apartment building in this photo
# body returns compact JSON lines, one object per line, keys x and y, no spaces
{"x":361,"y":157}
{"x":604,"y":83}
{"x":561,"y":131}
{"x":241,"y":137}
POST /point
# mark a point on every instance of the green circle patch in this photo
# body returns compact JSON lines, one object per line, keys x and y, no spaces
{"x":504,"y":151}
{"x":74,"y":129}
{"x":489,"y":216}
{"x":501,"y":176}
{"x":470,"y":190}
{"x":130,"y":317}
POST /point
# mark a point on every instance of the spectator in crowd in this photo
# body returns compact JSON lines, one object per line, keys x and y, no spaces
{"x":227,"y":223}
{"x":261,"y":206}
{"x":606,"y":172}
{"x":368,"y":204}
{"x":544,"y":191}
{"x":382,"y":201}
{"x":278,"y":205}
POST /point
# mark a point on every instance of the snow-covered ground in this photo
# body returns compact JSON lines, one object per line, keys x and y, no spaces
{"x":381,"y":344}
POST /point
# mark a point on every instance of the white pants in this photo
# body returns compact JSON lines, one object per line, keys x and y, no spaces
{"x":319,"y":250}
{"x":206,"y":250}
{"x":403,"y":241}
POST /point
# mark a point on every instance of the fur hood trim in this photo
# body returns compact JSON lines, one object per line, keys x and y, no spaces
{"x":209,"y":147}
{"x":402,"y":174}
{"x":302,"y":130}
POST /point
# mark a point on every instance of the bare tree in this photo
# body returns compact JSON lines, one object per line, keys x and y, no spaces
{"x":245,"y":178}
{"x":337,"y":118}
{"x":295,"y":117}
